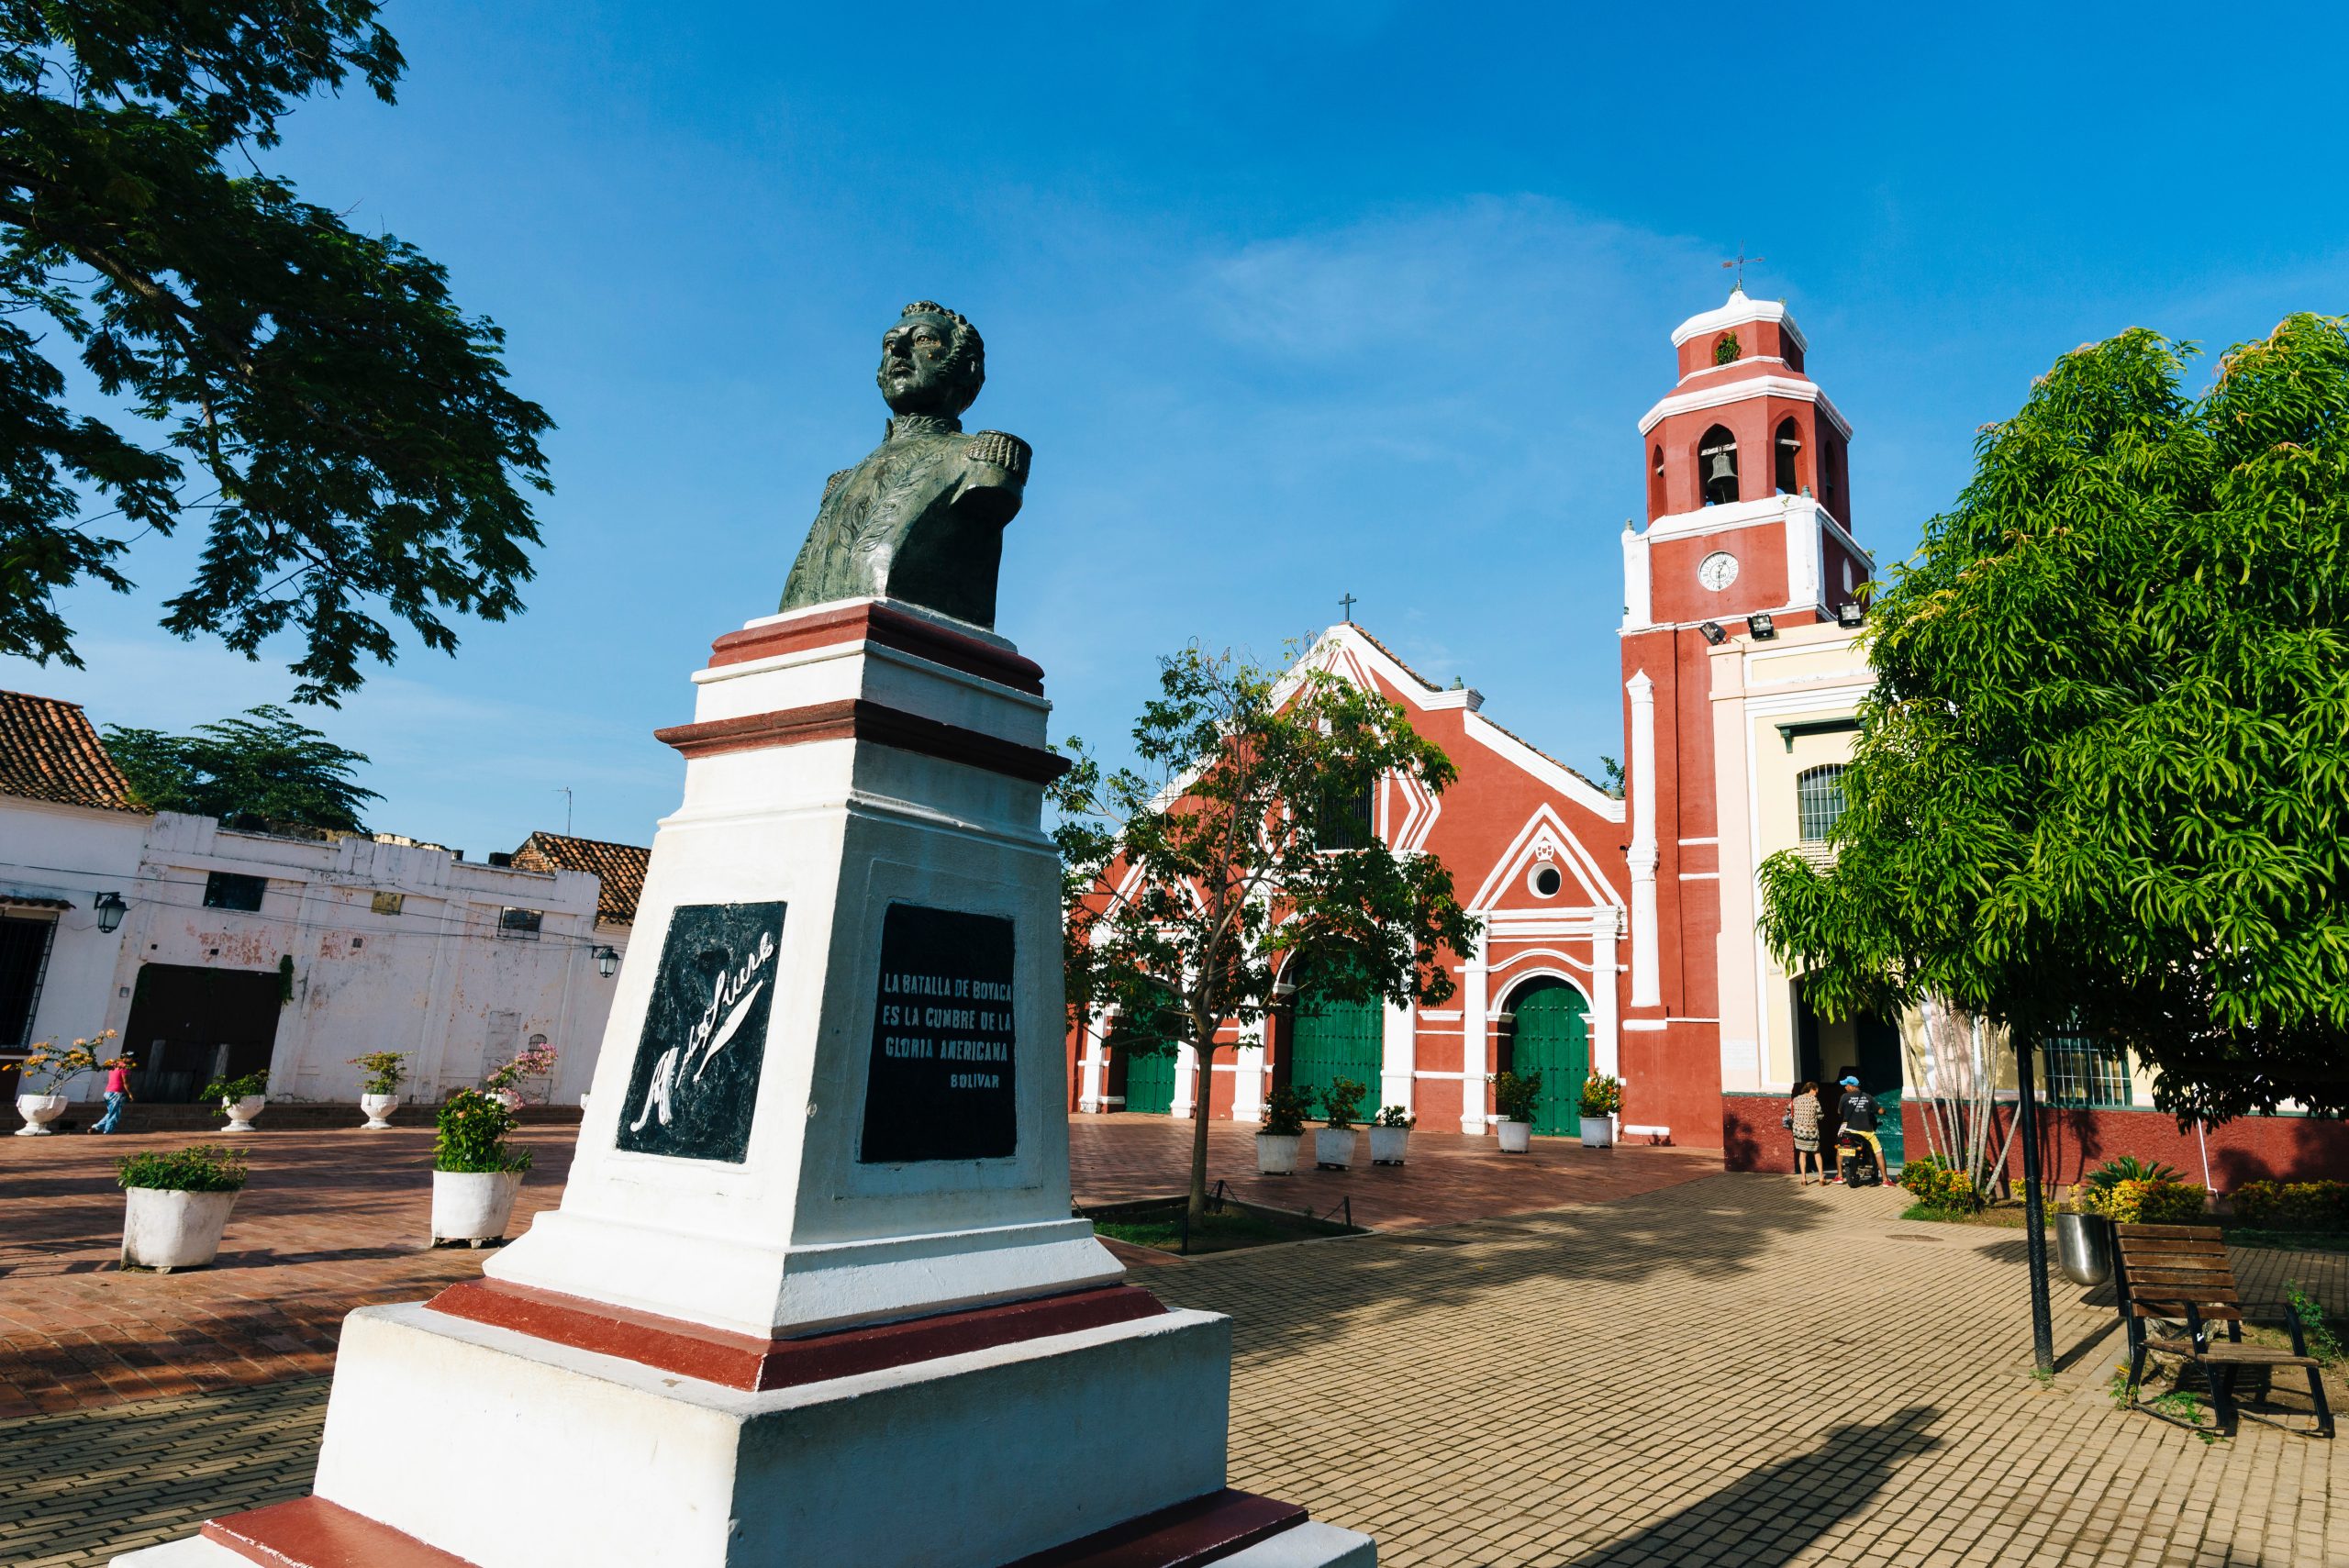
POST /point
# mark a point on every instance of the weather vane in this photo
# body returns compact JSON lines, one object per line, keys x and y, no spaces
{"x":1740,"y":263}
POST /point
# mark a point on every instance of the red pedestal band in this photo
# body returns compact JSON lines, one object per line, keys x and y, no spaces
{"x":740,"y":1360}
{"x":857,"y":719}
{"x":311,"y":1532}
{"x":890,"y":627}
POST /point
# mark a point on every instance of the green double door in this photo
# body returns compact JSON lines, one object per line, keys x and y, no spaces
{"x":1149,"y":1070}
{"x":1337,"y":1040}
{"x":1553,"y":1038}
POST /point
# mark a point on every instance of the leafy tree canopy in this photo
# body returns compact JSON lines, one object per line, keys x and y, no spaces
{"x":1241,"y":840}
{"x":346,"y":432}
{"x":2101,"y":784}
{"x":261,"y":763}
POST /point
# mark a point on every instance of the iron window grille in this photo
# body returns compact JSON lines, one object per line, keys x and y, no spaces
{"x":1819,"y":801}
{"x":24,"y":965}
{"x":2086,"y":1075}
{"x":1346,"y":820}
{"x":227,"y":890}
{"x":521,"y":923}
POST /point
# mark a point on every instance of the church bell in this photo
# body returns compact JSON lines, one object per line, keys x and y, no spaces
{"x":1723,"y":471}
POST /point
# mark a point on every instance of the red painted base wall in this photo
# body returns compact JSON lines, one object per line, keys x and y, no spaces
{"x":2071,"y":1143}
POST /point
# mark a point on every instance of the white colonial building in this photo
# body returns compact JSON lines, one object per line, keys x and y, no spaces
{"x":213,"y":950}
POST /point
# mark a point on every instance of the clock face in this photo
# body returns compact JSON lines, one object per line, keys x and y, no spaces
{"x":1717,"y":570}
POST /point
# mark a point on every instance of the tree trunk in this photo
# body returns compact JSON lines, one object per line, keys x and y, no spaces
{"x":1201,"y":1093}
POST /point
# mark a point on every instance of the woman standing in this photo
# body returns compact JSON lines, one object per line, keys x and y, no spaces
{"x":1802,"y":1115}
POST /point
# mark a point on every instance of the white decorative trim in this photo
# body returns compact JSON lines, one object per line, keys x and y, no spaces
{"x":1546,"y":830}
{"x":1715,"y":839}
{"x":1639,"y":601}
{"x":1746,"y":391}
{"x":1630,"y":1131}
{"x":1642,"y":1025}
{"x":1737,"y":311}
{"x":1700,"y":876}
{"x":1742,"y":361}
{"x":1646,"y":966}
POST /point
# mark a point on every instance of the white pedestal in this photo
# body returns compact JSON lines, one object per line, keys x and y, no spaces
{"x":846,"y":764}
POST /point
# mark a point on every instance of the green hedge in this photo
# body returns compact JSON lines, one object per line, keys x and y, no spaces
{"x":2292,"y":1205}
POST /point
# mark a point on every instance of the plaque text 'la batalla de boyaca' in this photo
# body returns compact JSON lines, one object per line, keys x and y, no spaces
{"x":939,"y":1085}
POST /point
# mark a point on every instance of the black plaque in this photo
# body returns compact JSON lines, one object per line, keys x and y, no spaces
{"x":939,"y":1084}
{"x":694,"y":1086}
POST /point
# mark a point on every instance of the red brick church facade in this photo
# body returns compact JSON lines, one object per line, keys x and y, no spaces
{"x":1600,"y":914}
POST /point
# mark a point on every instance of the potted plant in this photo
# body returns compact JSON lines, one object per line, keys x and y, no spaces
{"x":1390,"y":1135}
{"x":533,"y":1062}
{"x":1283,"y":1129}
{"x":1515,"y":1096}
{"x":2084,"y":1237}
{"x":52,"y":1070}
{"x":1602,"y":1097}
{"x":241,"y":1099}
{"x":475,"y":1174}
{"x":1334,"y":1143}
{"x":379,"y":1092}
{"x":176,"y":1204}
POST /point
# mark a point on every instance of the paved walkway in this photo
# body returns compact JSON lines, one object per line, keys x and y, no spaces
{"x":337,"y":1219}
{"x":1728,"y":1370}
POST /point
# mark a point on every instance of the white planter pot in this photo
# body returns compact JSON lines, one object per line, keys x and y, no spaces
{"x":242,"y":1112}
{"x":166,"y":1230}
{"x":1333,"y":1147}
{"x":379,"y":1110}
{"x":39,"y":1111}
{"x":1389,"y":1144}
{"x":1598,"y":1131}
{"x":1276,"y":1152}
{"x":472,"y":1206}
{"x":1517,"y":1137}
{"x":511,"y":1099}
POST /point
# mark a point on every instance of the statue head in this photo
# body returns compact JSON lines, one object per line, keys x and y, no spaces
{"x":932,"y":361}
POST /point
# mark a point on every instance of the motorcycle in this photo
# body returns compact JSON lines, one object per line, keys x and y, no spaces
{"x":1859,"y":1158}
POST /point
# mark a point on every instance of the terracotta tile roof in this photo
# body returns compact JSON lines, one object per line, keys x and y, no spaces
{"x":49,"y":751}
{"x":618,"y":870}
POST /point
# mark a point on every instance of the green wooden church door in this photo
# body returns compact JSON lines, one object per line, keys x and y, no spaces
{"x":1337,"y":1040}
{"x":1149,"y":1070}
{"x":1553,"y":1038}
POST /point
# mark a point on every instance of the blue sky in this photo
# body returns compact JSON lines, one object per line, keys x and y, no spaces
{"x":1292,"y":301}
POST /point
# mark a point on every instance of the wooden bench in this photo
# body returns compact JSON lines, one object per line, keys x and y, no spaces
{"x":2167,"y":1274}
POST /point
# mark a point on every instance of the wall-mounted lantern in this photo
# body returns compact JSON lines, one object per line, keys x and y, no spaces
{"x":111,"y":910}
{"x":608,"y":962}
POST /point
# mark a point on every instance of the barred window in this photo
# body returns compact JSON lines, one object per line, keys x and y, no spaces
{"x":1347,"y":818}
{"x":1819,"y":800}
{"x":2084,"y":1074}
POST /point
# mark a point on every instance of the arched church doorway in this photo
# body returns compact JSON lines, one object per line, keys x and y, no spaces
{"x":1551,"y":1037}
{"x":1144,"y":1060}
{"x":1330,"y":1039}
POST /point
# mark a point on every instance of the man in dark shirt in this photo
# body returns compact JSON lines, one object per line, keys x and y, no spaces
{"x":1857,"y":1111}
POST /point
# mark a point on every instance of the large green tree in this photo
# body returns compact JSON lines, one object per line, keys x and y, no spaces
{"x":261,"y":763}
{"x":345,"y":431}
{"x":1240,"y":841}
{"x":2100,"y":785}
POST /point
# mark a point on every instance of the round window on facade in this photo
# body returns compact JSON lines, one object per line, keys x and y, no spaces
{"x":1545,"y":882}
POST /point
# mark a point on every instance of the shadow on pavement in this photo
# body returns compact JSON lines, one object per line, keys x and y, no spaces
{"x":1767,"y":1518}
{"x":1281,"y":1299}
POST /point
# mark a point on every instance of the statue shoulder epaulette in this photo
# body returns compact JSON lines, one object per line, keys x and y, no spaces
{"x":834,"y":481}
{"x":1004,"y":452}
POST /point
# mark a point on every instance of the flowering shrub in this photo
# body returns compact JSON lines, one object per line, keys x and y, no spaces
{"x":2155,"y":1203}
{"x":1936,"y":1185}
{"x":1602,"y":1094}
{"x":536,"y":1061}
{"x":472,"y":1129}
{"x":1340,"y":1102}
{"x":1285,"y":1110}
{"x":1396,"y":1116}
{"x":2292,"y":1205}
{"x":54,"y":1069}
{"x":1515,"y":1095}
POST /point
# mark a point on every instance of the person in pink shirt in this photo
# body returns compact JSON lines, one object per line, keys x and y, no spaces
{"x":117,"y":1096}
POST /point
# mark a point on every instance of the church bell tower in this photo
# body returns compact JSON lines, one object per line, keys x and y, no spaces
{"x":1748,"y":532}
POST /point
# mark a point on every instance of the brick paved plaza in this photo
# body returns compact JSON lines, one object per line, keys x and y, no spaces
{"x":1654,"y":1366}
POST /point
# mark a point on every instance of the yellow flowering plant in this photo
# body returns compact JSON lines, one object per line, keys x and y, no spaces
{"x":52,"y":1067}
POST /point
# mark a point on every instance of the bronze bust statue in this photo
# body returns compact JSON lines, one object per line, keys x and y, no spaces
{"x":921,"y":519}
